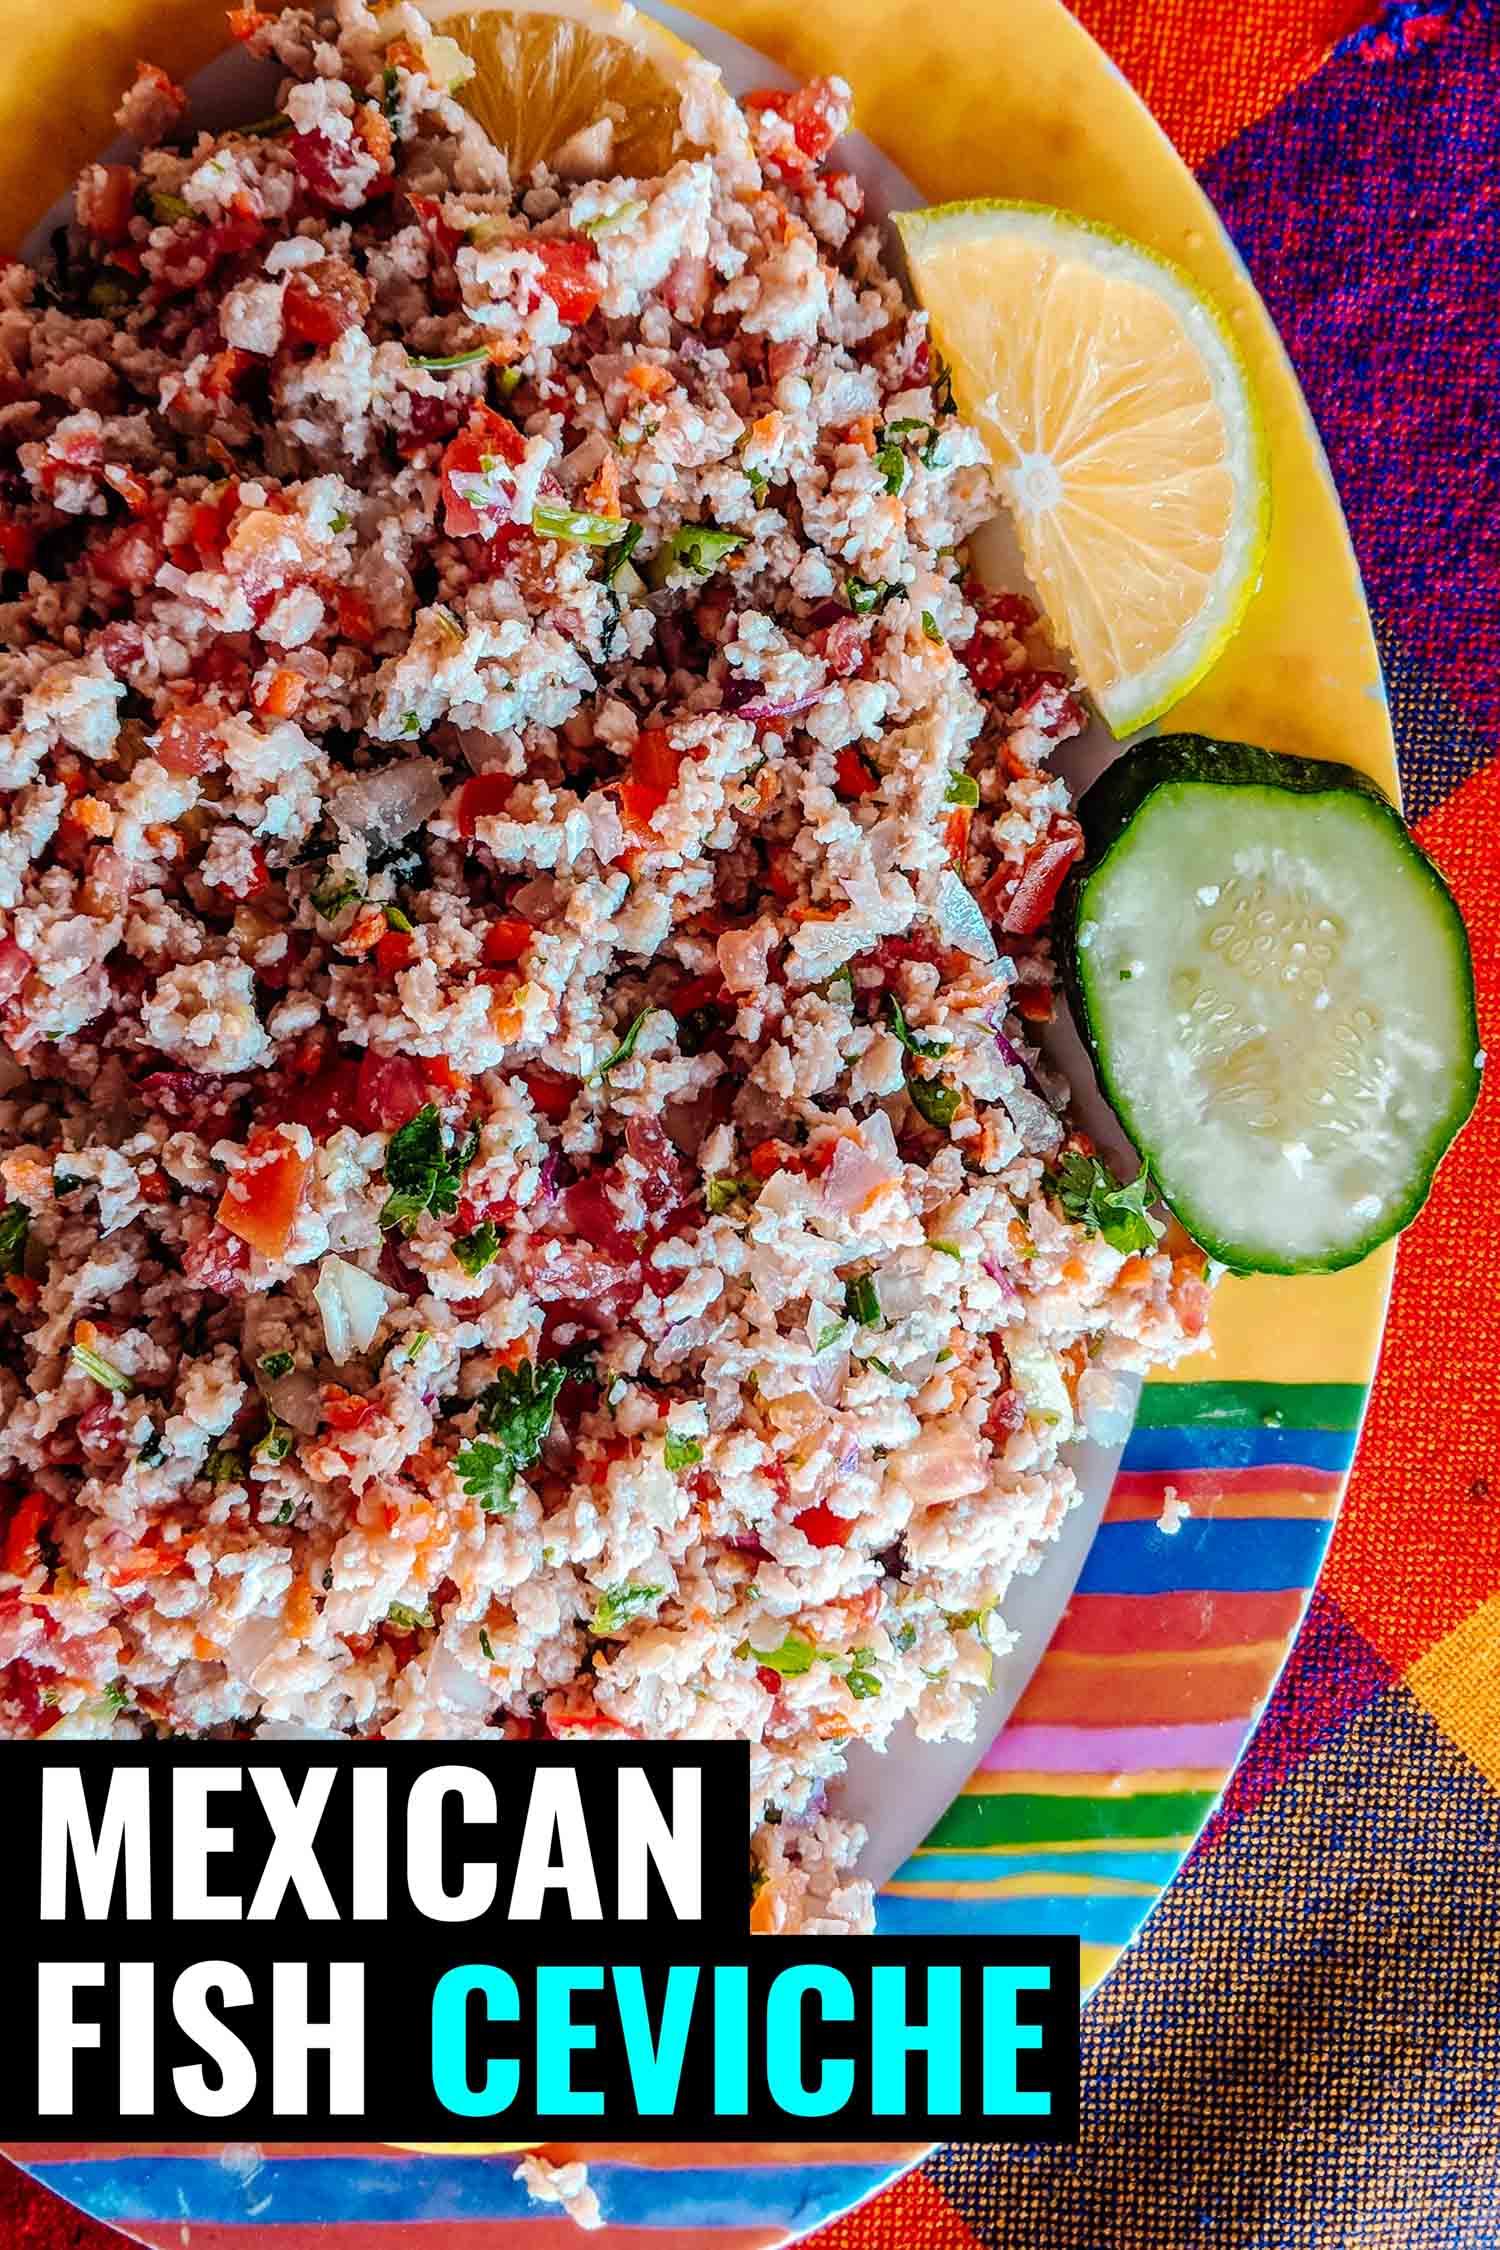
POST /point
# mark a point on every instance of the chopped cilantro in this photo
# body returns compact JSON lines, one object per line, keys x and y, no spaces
{"x":411,"y":724}
{"x":66,"y":1183}
{"x":843,"y":976}
{"x":949,"y":1249}
{"x":882,"y":1367}
{"x":621,"y":1054}
{"x":515,"y":1414}
{"x":223,"y":1466}
{"x":333,"y":895}
{"x":340,"y":522}
{"x":509,"y":381}
{"x":794,"y":1657}
{"x":101,"y":1371}
{"x":276,"y":1364}
{"x":862,"y":597}
{"x":407,"y":1620}
{"x":277,"y":1442}
{"x":759,"y":483}
{"x":474,"y":1251}
{"x":485,"y":1649}
{"x":622,"y":550}
{"x":930,"y":627}
{"x":962,"y":789}
{"x":15,"y":1225}
{"x":423,"y":1172}
{"x":891,"y":462}
{"x":928,"y":1049}
{"x":618,"y":215}
{"x":1089,"y":1192}
{"x":396,"y":920}
{"x":681,"y":1452}
{"x":933,"y":1100}
{"x":389,"y":92}
{"x":862,"y":1302}
{"x":152,"y":1451}
{"x":618,"y":1604}
{"x":861,"y":1679}
{"x":723,"y":1190}
{"x":285,"y":1512}
{"x":834,"y":1334}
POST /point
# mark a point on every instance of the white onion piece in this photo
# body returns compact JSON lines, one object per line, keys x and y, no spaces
{"x":1039,"y":1127}
{"x":854,"y":1179}
{"x":353,"y":1304}
{"x":1039,"y":1379}
{"x":961,"y":918}
{"x":250,"y":1644}
{"x":829,"y":1372}
{"x":743,"y":955}
{"x":450,"y":1681}
{"x":385,"y":807}
{"x":943,"y":1464}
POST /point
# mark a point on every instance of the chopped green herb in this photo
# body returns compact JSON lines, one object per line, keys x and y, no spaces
{"x":515,"y":1412}
{"x":1089,"y":1192}
{"x":962,"y":789}
{"x":475,"y":1251}
{"x":723,"y":1190}
{"x":928,"y":1049}
{"x":411,"y":724}
{"x":882,"y":1367}
{"x":620,"y":554}
{"x":621,"y":1054}
{"x":698,"y":546}
{"x":285,"y":1512}
{"x":277,"y":1442}
{"x":794,"y":1657}
{"x":549,"y":520}
{"x":415,"y":1346}
{"x":340,"y":522}
{"x":276,"y":1364}
{"x":835,"y":1333}
{"x":759,"y":483}
{"x":396,"y":920}
{"x":15,"y":1226}
{"x":101,"y":1371}
{"x":891,"y":462}
{"x":949,"y":1249}
{"x":408,"y":1620}
{"x":618,"y":1604}
{"x":487,"y":1473}
{"x":389,"y":92}
{"x":861,"y":596}
{"x":861,"y":1679}
{"x":904,"y":1638}
{"x":681,"y":1452}
{"x":167,"y":208}
{"x":223,"y":1466}
{"x":485,"y":1649}
{"x":424,"y":1174}
{"x":333,"y":895}
{"x":862,"y":1302}
{"x":66,"y":1183}
{"x":509,"y":381}
{"x":619,"y":215}
{"x":938,"y":1103}
{"x":930,"y":629}
{"x":152,"y":1451}
{"x":107,"y":293}
{"x":444,"y":361}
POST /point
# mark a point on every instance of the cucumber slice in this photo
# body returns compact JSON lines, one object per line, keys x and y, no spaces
{"x":1276,"y":987}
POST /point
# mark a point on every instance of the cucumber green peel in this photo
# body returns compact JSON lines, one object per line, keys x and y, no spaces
{"x":1275,"y":984}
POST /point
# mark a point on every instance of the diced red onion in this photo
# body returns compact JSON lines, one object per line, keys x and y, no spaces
{"x":1001,"y":1279}
{"x":385,"y":807}
{"x":549,"y":1179}
{"x":854,"y":1177}
{"x":748,"y":700}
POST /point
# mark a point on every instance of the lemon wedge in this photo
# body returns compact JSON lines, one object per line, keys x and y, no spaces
{"x":591,"y":88}
{"x":1118,"y":410}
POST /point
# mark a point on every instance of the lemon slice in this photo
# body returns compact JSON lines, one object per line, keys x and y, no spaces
{"x":1116,"y":406}
{"x":589,"y":87}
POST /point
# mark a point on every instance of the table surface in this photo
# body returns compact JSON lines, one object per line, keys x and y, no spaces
{"x":1303,"y":2050}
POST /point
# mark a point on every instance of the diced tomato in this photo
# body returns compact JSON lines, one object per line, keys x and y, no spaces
{"x":919,"y":945}
{"x":189,"y":259}
{"x":374,"y":129}
{"x":479,"y":449}
{"x":665,"y":1184}
{"x":260,"y":1202}
{"x":355,"y":616}
{"x":17,"y":545}
{"x":133,"y":490}
{"x":774,"y":1156}
{"x":1007,"y":1415}
{"x":1042,"y":874}
{"x":571,"y":278}
{"x":639,"y":803}
{"x":445,"y":238}
{"x":392,"y":1088}
{"x":988,"y":655}
{"x":15,"y":967}
{"x":327,"y":168}
{"x":393,"y":952}
{"x":654,"y":762}
{"x":843,"y":645}
{"x":282,"y":695}
{"x":1033,"y":1002}
{"x":244,"y":23}
{"x":22,"y":1533}
{"x":820,"y":1525}
{"x":700,"y":992}
{"x":190,"y":738}
{"x":107,"y":202}
{"x":1191,"y":1294}
{"x":481,"y":794}
{"x":344,"y":1411}
{"x":769,"y":1680}
{"x":327,"y":1100}
{"x":320,"y":302}
{"x":853,"y":777}
{"x":129,"y":555}
{"x":218,"y":1261}
{"x":591,"y":1214}
{"x":554,"y":1097}
{"x":817,"y":116}
{"x":781,"y":871}
{"x":507,"y":939}
{"x":956,"y":834}
{"x":154,"y":1185}
{"x":148,"y":1561}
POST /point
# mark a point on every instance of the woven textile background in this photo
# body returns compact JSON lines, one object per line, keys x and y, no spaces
{"x":1303,"y":2051}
